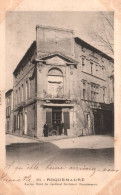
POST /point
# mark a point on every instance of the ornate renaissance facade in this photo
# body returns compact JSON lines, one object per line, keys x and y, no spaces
{"x":61,"y":78}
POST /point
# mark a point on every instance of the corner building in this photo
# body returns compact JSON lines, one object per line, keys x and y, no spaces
{"x":63,"y":78}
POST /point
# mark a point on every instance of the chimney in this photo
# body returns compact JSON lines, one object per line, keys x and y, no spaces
{"x":52,"y":40}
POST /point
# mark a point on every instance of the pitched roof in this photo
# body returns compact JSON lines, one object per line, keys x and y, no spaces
{"x":84,"y":43}
{"x":9,"y":91}
{"x":27,"y":54}
{"x":68,"y":58}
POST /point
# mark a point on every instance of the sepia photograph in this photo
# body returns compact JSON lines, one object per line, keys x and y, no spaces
{"x":59,"y":97}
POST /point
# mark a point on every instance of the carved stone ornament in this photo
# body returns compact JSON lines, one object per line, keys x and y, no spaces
{"x":71,"y":69}
{"x":71,"y":72}
{"x":40,"y":66}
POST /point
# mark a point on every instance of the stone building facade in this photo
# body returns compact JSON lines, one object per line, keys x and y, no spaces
{"x":62,"y":78}
{"x":9,"y":109}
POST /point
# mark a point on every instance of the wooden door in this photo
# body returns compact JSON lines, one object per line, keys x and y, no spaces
{"x":49,"y":119}
{"x":15,"y":123}
{"x":97,"y":123}
{"x":66,"y":122}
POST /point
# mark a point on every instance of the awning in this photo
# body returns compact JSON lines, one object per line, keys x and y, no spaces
{"x":107,"y":106}
{"x":58,"y":105}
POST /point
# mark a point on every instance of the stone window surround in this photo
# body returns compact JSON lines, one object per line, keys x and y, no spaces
{"x":58,"y":73}
{"x":96,"y":88}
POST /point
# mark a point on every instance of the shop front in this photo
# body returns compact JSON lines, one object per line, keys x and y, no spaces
{"x":103,"y":120}
{"x":58,"y":118}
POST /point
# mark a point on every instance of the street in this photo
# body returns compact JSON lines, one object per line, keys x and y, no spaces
{"x":91,"y":151}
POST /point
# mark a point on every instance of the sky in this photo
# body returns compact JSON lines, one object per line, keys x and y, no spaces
{"x":20,"y":31}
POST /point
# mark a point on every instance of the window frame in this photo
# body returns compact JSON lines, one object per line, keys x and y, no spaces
{"x":57,"y":74}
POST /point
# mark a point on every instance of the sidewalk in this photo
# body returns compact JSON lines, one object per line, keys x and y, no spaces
{"x":12,"y":138}
{"x":86,"y":142}
{"x":65,"y":142}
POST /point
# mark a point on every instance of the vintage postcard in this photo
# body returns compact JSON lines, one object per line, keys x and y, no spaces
{"x":60,"y":107}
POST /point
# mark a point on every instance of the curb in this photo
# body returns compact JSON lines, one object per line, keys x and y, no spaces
{"x":41,"y":140}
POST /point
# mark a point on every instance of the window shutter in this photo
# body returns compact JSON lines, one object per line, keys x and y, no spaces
{"x":66,"y":120}
{"x":49,"y":119}
{"x":14,"y":122}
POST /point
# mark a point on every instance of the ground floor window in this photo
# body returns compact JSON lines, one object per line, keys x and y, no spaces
{"x":7,"y":125}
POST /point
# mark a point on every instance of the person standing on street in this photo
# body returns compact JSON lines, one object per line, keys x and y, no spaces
{"x":45,"y":130}
{"x":61,"y":126}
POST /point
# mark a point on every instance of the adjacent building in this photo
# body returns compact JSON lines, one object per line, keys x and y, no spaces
{"x":61,"y":78}
{"x":9,"y":109}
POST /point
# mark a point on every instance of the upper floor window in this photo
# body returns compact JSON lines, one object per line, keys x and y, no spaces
{"x":97,"y":93}
{"x":22,"y":93}
{"x":103,"y":94}
{"x":93,"y":53}
{"x":19,"y":96}
{"x":29,"y":86}
{"x":26,"y":90}
{"x":83,"y":62}
{"x":84,"y":90}
{"x":8,"y":111}
{"x":103,"y":72}
{"x":96,"y":68}
{"x":91,"y":63}
{"x":94,"y":92}
{"x":83,"y":49}
{"x":8,"y":99}
{"x":92,"y":95}
{"x":84,"y":94}
{"x":55,"y":82}
{"x":16,"y":97}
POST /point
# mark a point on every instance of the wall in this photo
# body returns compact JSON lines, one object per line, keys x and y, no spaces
{"x":26,"y":74}
{"x":31,"y":120}
{"x":41,"y":118}
{"x":25,"y":98}
{"x":51,"y":40}
{"x":83,"y":78}
{"x":9,"y":110}
{"x":42,"y":79}
{"x":99,"y":76}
